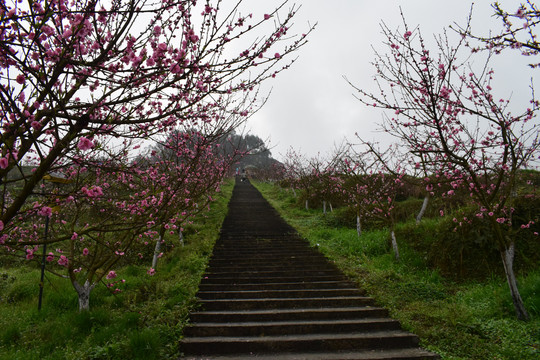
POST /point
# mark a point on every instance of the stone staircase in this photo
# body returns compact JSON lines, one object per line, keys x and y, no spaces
{"x":268,"y":295}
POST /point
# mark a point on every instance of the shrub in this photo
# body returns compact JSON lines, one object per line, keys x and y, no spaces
{"x":465,"y":249}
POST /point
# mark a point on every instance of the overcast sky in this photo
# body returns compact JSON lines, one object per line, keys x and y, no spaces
{"x":312,"y":107}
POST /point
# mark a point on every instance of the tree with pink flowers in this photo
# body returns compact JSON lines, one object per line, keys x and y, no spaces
{"x":325,"y":176}
{"x":298,"y":173}
{"x":124,"y":212}
{"x":373,"y":179}
{"x":437,"y":103}
{"x":86,"y":84}
{"x":517,"y":33}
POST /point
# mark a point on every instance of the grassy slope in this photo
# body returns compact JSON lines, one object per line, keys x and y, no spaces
{"x":145,"y":321}
{"x":472,"y":320}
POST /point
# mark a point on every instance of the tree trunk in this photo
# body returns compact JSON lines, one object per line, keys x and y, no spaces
{"x":307,"y":204}
{"x":324,"y":207}
{"x":331,"y":207}
{"x":181,"y":237}
{"x":157,"y":251}
{"x":84,"y":294}
{"x":294,"y":192}
{"x":423,"y":209}
{"x":358,"y":225}
{"x":394,"y":244}
{"x":507,"y":255}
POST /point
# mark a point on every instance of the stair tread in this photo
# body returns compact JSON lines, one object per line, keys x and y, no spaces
{"x":299,"y":322}
{"x":408,"y":353}
{"x":280,"y":311}
{"x":325,"y":298}
{"x":301,"y":337}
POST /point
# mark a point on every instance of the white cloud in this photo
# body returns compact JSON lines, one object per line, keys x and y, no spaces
{"x":312,"y":107}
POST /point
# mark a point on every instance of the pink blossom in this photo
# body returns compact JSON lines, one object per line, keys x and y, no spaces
{"x":111,"y":275}
{"x":20,"y":79}
{"x":50,"y":257}
{"x":266,"y":16}
{"x":74,"y":236}
{"x":45,"y":211}
{"x":1,"y":225}
{"x":85,"y":144}
{"x":63,"y":261}
{"x":151,"y":272}
{"x":407,"y":35}
{"x":4,"y":163}
{"x":277,"y":56}
{"x":85,"y":252}
{"x":445,"y":92}
{"x":94,"y":191}
{"x":501,"y":220}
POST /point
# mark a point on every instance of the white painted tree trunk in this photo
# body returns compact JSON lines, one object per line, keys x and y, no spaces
{"x":394,"y":244}
{"x":358,"y":226}
{"x":331,"y":207}
{"x":157,"y":251}
{"x":294,"y":192}
{"x":324,"y":207}
{"x":84,"y":294}
{"x":307,"y":204}
{"x":181,"y":238}
{"x":423,"y":209}
{"x":508,"y":261}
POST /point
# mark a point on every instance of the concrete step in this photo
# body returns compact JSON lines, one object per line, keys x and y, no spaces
{"x":308,"y":259}
{"x":255,"y":274}
{"x":269,"y":279}
{"x":336,"y":313}
{"x":377,"y":354}
{"x":254,"y":253}
{"x":285,"y":303}
{"x":277,"y":286}
{"x":290,"y":327}
{"x":274,"y":294}
{"x":307,"y":343}
{"x":271,"y":264}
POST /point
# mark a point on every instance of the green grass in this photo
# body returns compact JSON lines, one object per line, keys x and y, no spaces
{"x":470,"y":319}
{"x":144,"y":321}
